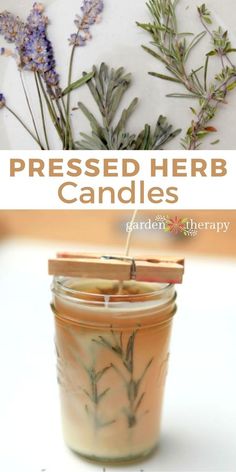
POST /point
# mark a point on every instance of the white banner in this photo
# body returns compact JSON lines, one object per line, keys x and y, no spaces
{"x":118,"y":180}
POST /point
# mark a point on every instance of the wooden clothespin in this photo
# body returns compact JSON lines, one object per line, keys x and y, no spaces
{"x":116,"y":267}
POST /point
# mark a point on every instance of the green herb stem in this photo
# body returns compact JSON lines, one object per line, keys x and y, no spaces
{"x":25,"y":127}
{"x":30,"y":109}
{"x":51,"y":110}
{"x":42,"y":112}
{"x":68,"y":122}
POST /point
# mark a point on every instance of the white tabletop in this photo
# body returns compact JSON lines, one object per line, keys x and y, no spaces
{"x":199,"y":421}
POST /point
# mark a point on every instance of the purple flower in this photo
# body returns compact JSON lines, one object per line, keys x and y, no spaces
{"x":36,"y":19}
{"x":91,"y":11}
{"x":51,"y":78}
{"x":35,"y":51}
{"x":10,"y":27}
{"x":2,"y":101}
{"x":77,"y":40}
{"x":7,"y":53}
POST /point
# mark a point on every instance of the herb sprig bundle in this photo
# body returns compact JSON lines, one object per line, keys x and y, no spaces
{"x":34,"y":54}
{"x":107,"y":88}
{"x":172,"y":48}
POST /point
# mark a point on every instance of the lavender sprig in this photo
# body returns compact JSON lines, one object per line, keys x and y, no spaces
{"x":34,"y":50}
{"x":91,"y":14}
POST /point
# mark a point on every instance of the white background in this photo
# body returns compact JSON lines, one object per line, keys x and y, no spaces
{"x":117,"y":41}
{"x":199,"y":421}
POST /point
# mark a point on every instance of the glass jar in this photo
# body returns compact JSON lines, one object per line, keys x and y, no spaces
{"x":112,"y":344}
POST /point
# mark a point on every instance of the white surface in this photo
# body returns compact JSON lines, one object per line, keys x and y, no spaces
{"x":117,"y":41}
{"x":189,"y":192}
{"x":199,"y":421}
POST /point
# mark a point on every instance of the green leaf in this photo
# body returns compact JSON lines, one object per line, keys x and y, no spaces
{"x":132,"y":389}
{"x":94,"y":123}
{"x":207,"y":20}
{"x":95,"y":94}
{"x":145,"y":371}
{"x":100,"y":374}
{"x":194,"y":43}
{"x":106,"y":423}
{"x":78,"y":83}
{"x":139,"y":402}
{"x":154,"y":54}
{"x":92,"y":143}
{"x":130,"y":351}
{"x":202,"y":134}
{"x":205,"y":72}
{"x":125,"y":116}
{"x":193,"y":110}
{"x":212,"y":53}
{"x":146,"y":138}
{"x":182,"y":95}
{"x":102,"y":395}
{"x":165,"y":77}
{"x":231,"y":86}
{"x":145,"y":26}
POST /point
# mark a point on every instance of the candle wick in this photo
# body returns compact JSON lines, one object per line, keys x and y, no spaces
{"x":106,"y":301}
{"x":127,"y":247}
{"x":128,"y":241}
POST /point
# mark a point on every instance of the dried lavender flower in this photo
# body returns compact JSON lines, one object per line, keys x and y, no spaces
{"x":7,"y":53}
{"x":35,"y":51}
{"x":77,"y":40}
{"x":10,"y":27}
{"x":36,"y":18}
{"x":2,"y":101}
{"x":91,"y":13}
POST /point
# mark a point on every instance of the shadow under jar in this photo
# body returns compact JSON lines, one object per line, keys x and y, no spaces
{"x":112,"y":344}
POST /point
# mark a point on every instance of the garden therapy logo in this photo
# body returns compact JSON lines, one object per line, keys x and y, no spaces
{"x":177,"y":226}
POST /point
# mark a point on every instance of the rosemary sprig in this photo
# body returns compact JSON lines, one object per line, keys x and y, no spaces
{"x":126,"y":371}
{"x":108,"y":88}
{"x":172,"y":48}
{"x":93,"y":394}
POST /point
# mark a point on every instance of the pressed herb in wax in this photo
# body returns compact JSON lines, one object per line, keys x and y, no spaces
{"x":172,"y":48}
{"x":125,"y":354}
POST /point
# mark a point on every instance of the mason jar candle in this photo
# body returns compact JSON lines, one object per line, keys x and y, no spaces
{"x":112,"y":343}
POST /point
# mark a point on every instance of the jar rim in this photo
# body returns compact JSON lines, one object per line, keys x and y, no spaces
{"x":59,"y":284}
